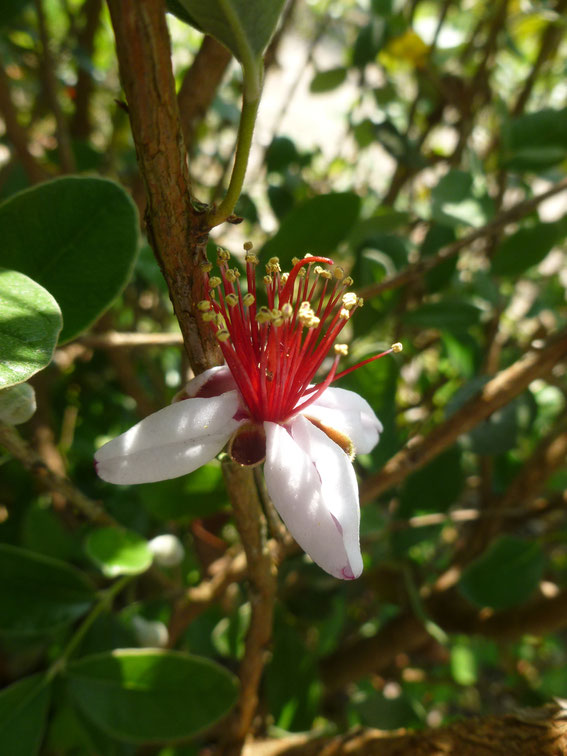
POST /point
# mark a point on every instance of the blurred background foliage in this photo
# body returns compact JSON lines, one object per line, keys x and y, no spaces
{"x":387,"y":131}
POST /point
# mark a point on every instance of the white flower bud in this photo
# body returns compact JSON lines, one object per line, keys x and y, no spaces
{"x":150,"y":634}
{"x":167,"y":549}
{"x":17,"y":404}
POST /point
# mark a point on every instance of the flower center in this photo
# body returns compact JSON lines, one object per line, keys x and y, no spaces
{"x":274,"y":349}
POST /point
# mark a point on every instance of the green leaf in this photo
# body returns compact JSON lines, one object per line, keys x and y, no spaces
{"x":75,"y":236}
{"x":30,"y":321}
{"x":525,"y":248}
{"x":148,"y":696}
{"x":463,"y":664}
{"x":244,"y":26}
{"x":23,"y":709}
{"x":39,"y":594}
{"x":326,"y":81}
{"x":505,"y":575}
{"x":118,"y":552}
{"x":456,"y":202}
{"x":452,"y":315}
{"x":435,"y":487}
{"x":316,"y":226}
{"x":534,"y":142}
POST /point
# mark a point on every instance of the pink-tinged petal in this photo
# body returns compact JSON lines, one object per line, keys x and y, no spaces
{"x":313,"y":486}
{"x":172,"y":442}
{"x":350,"y":414}
{"x":212,"y":382}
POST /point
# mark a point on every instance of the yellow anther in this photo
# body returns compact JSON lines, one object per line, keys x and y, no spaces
{"x":397,"y":347}
{"x":276,"y":313}
{"x":214,"y":282}
{"x":301,"y":273}
{"x":220,"y":321}
{"x":344,"y":314}
{"x":223,"y":255}
{"x":348,"y":281}
{"x":349,"y":300}
{"x":339,"y":272}
{"x":231,"y":300}
{"x":248,"y":246}
{"x":326,"y":274}
{"x":206,"y":267}
{"x":284,"y":277}
{"x":263,"y":315}
{"x":204,"y":305}
{"x":236,"y":272}
{"x":360,"y":302}
{"x":306,"y":255}
{"x":277,"y":322}
{"x":252,"y":258}
{"x":341,"y":349}
{"x":209,"y":317}
{"x":267,"y":280}
{"x":222,"y":335}
{"x":294,"y":260}
{"x":318,"y":269}
{"x":287,"y":310}
{"x":248,"y":299}
{"x":274,"y":261}
{"x":230,"y":276}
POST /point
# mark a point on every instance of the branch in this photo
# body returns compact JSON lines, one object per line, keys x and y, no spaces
{"x":177,"y":232}
{"x":15,"y":445}
{"x":527,"y":731}
{"x":81,"y":122}
{"x":418,"y":269}
{"x":495,"y":394}
{"x":262,"y":590}
{"x":200,"y":85}
{"x":121,"y":340}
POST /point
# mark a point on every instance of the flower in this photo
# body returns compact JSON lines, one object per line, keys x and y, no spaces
{"x":264,"y":405}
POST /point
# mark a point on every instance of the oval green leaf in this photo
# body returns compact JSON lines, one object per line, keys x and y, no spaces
{"x":118,"y":552}
{"x":75,"y":236}
{"x":451,"y":315}
{"x":30,"y":321}
{"x":39,"y":594}
{"x":23,"y":708}
{"x":244,"y":26}
{"x":149,"y":696}
{"x":326,"y":81}
{"x":316,"y":226}
{"x":525,"y":248}
{"x":506,"y":574}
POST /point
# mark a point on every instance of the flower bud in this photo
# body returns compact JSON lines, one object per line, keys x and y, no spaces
{"x":17,"y":404}
{"x":150,"y":634}
{"x":167,"y":549}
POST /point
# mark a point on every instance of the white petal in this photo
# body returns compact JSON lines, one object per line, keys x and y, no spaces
{"x":313,"y":486}
{"x":350,"y":414}
{"x":172,"y":442}
{"x":212,"y":382}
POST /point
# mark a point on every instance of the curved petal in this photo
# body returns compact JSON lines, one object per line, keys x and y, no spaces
{"x":350,"y":414}
{"x":172,"y":442}
{"x":212,"y":382}
{"x":313,"y":487}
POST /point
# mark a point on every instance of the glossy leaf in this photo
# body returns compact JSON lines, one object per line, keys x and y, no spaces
{"x":30,"y":322}
{"x":244,"y":26}
{"x":326,"y":81}
{"x":17,"y":404}
{"x":118,"y":552}
{"x":23,"y":709}
{"x":526,"y":248}
{"x":452,"y":315}
{"x":316,"y":226}
{"x":39,"y":594}
{"x":505,"y":575}
{"x":536,"y":141}
{"x":456,"y":202}
{"x":150,"y":696}
{"x":75,"y":236}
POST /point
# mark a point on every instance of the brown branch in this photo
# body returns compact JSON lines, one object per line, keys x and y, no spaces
{"x":121,"y":340}
{"x":16,"y":133}
{"x":66,"y":156}
{"x":262,"y":590}
{"x":200,"y":85}
{"x":175,"y":229}
{"x":530,"y":732}
{"x":15,"y":445}
{"x":495,"y":394}
{"x":418,"y":269}
{"x":81,"y":121}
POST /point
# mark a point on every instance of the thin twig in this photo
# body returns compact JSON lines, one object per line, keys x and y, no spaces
{"x":418,"y":269}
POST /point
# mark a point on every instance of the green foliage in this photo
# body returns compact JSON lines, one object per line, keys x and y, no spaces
{"x":39,"y":594}
{"x":149,"y":696}
{"x":30,"y":321}
{"x":536,"y":141}
{"x":23,"y":711}
{"x":77,"y":237}
{"x":118,"y":552}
